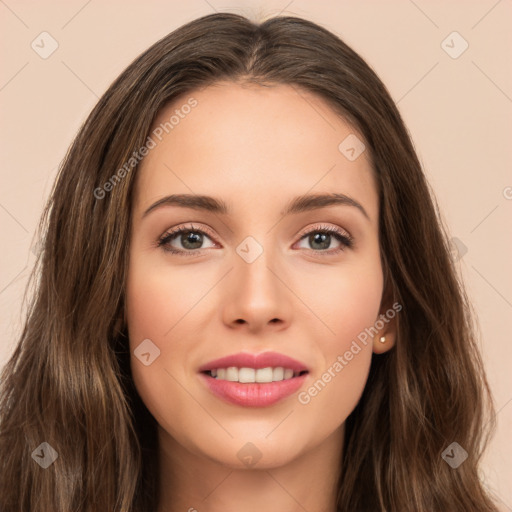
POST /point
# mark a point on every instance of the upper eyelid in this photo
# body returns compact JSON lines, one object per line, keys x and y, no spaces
{"x":320,"y":227}
{"x":179,"y":228}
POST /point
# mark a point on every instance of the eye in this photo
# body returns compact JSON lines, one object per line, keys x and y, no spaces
{"x":321,"y":237}
{"x":190,"y":238}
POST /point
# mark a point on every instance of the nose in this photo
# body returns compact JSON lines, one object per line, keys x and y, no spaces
{"x":257,"y":296}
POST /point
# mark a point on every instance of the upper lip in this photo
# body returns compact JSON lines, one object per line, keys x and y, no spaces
{"x":249,"y":360}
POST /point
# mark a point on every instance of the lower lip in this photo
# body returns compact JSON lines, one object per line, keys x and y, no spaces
{"x":253,"y":394}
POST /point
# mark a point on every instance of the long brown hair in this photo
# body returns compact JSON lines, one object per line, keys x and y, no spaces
{"x":69,"y":383}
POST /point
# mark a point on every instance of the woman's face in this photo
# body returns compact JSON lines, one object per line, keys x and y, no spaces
{"x":256,"y":278}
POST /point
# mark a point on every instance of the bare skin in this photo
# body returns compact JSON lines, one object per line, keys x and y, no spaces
{"x":256,"y":148}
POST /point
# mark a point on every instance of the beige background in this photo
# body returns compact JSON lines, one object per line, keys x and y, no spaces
{"x":459,"y":112}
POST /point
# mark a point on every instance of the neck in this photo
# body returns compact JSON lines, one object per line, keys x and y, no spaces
{"x":194,"y":483}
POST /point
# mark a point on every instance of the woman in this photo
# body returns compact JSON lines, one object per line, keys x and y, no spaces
{"x":245,"y":297}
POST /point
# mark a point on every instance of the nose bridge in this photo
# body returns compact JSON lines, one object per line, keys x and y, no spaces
{"x":257,"y":294}
{"x":255,"y":266}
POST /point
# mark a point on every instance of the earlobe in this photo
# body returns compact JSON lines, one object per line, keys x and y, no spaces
{"x":384,"y":341}
{"x":385,"y":338}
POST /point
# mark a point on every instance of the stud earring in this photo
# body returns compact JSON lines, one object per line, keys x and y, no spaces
{"x":383,"y":339}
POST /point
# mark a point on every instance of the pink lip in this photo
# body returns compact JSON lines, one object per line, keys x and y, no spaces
{"x":253,"y":394}
{"x":257,"y":394}
{"x":248,"y":360}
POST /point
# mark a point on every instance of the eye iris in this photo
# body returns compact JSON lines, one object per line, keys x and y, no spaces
{"x":321,"y":238}
{"x":191,"y":237}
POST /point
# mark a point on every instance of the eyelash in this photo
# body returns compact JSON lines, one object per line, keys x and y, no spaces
{"x":343,"y":237}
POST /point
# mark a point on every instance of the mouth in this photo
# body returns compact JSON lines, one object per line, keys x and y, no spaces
{"x":254,"y":380}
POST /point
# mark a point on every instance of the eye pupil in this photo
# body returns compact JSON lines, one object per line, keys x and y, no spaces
{"x":321,"y":238}
{"x":191,"y":237}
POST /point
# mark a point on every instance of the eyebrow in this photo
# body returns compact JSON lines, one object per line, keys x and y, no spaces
{"x":296,"y":205}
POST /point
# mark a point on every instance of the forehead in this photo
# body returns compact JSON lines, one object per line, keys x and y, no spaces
{"x":253,"y":144}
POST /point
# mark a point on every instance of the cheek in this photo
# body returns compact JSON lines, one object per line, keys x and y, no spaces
{"x":336,"y":387}
{"x":153,"y":308}
{"x":349,"y":307}
{"x":345,"y":299}
{"x":158,"y":299}
{"x":357,"y":303}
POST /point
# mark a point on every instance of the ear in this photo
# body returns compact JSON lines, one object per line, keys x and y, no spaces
{"x":386,"y":324}
{"x":386,"y":336}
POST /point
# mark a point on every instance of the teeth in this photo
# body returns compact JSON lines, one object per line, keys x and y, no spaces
{"x":264,"y":375}
{"x":232,"y":374}
{"x":278,"y":373}
{"x":247,"y":375}
{"x":242,"y":375}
